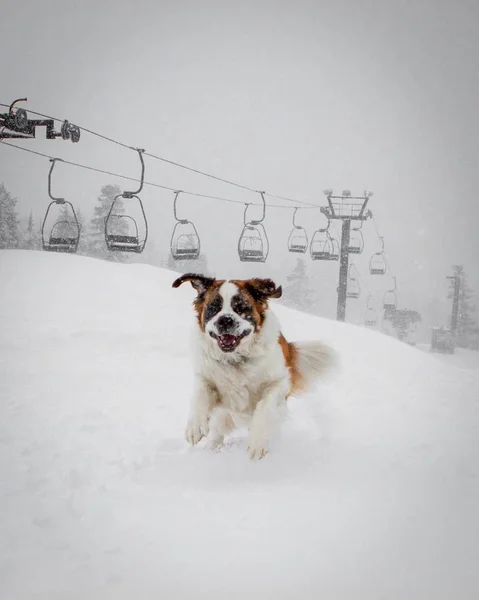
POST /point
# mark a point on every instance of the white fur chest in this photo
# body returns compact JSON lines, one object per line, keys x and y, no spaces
{"x":241,"y":380}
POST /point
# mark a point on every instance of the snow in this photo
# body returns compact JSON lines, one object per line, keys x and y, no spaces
{"x":371,"y":490}
{"x":462,"y":357}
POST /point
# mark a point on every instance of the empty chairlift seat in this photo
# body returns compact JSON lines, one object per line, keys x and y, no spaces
{"x":126,"y":227}
{"x":253,"y":243}
{"x":298,"y":238}
{"x":377,"y":263}
{"x":353,"y":290}
{"x":251,"y":247}
{"x":185,"y":242}
{"x":64,"y":237}
{"x":60,"y":226}
{"x":390,"y":298}
{"x":122,"y":234}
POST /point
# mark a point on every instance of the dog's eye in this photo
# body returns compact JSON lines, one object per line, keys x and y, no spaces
{"x":240,"y":306}
{"x":213,"y":308}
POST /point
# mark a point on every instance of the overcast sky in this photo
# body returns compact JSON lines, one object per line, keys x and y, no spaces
{"x":289,"y":97}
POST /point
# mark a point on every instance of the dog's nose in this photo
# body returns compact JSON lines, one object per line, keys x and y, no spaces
{"x":225,"y":323}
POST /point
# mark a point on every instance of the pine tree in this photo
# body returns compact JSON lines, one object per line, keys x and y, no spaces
{"x":467,"y":326}
{"x":96,"y":237}
{"x":84,"y":235}
{"x":9,"y":222}
{"x":31,"y":237}
{"x":298,"y":292}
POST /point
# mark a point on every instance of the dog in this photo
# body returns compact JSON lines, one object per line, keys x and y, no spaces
{"x":245,"y":370}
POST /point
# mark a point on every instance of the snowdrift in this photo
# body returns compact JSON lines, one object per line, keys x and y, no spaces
{"x":371,"y":489}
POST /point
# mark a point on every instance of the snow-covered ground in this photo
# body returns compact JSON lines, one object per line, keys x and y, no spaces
{"x":371,"y":490}
{"x":462,"y":357}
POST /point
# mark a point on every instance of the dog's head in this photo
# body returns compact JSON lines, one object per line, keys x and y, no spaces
{"x":230,"y":312}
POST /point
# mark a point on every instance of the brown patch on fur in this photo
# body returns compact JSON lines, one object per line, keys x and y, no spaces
{"x":290,"y":354}
{"x":259,"y":308}
{"x":204,"y":299}
{"x":257,"y":292}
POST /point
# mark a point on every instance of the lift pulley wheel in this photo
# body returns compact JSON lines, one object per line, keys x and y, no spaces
{"x":21,"y":119}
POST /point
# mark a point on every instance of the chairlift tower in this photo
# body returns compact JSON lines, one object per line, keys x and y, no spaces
{"x":456,"y":287}
{"x":346,"y":208}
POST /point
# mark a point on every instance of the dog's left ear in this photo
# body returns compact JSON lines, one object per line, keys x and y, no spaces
{"x":199,"y":282}
{"x":262,"y":289}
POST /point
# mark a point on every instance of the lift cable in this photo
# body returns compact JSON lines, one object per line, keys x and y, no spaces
{"x":152,"y":184}
{"x":177,"y":164}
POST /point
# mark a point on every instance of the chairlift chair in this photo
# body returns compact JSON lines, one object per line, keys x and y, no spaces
{"x":334,"y":249}
{"x":122,"y":241}
{"x":370,"y":318}
{"x":250,"y":246}
{"x":322,"y":245}
{"x":298,"y":238}
{"x":320,"y":249}
{"x":185,"y":243}
{"x":356,"y":240}
{"x":377,"y":263}
{"x":64,"y":235}
{"x":253,"y":243}
{"x":390,"y":298}
{"x":65,"y":240}
{"x":119,"y":241}
{"x":353,"y":289}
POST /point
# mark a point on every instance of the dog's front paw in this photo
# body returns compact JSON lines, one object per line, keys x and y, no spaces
{"x":257,"y":448}
{"x":196,"y":430}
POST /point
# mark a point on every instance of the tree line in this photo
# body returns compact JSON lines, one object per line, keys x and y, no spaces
{"x":300,"y":292}
{"x":92,"y":238}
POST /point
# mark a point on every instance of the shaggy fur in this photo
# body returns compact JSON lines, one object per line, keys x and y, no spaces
{"x":245,"y":369}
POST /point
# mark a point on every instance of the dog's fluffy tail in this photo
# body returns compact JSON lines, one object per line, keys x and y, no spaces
{"x":314,"y":361}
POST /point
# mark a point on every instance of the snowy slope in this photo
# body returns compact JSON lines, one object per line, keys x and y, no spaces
{"x":371,"y":491}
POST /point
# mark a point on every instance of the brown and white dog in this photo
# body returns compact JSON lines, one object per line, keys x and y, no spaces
{"x":244,"y":368}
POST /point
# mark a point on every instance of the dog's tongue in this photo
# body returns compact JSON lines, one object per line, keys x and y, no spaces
{"x":228,"y":340}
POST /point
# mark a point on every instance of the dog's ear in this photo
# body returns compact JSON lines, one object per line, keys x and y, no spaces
{"x":199,"y":282}
{"x":262,"y":289}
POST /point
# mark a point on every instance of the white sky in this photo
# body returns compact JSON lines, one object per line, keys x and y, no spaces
{"x":290,"y":97}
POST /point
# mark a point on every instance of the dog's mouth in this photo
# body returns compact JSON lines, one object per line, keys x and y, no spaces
{"x":227,"y":341}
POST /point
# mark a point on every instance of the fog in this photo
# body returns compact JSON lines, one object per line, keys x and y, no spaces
{"x":287,"y":97}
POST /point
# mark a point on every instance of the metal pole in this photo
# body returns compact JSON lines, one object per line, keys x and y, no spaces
{"x":343,"y":270}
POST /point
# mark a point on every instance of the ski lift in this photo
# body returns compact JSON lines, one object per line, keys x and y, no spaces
{"x":353,"y":290}
{"x":121,"y":230}
{"x":185,"y":242}
{"x":377,"y":263}
{"x":334,"y":249}
{"x":323,"y":246}
{"x":298,"y":238}
{"x":390,"y":299}
{"x":253,"y":243}
{"x":356,"y":240}
{"x":370,"y":318}
{"x":64,"y":235}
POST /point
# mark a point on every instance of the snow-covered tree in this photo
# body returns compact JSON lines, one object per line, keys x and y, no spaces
{"x":83,"y":244}
{"x":96,"y":237}
{"x":10,"y":236}
{"x":298,"y":292}
{"x":31,"y":237}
